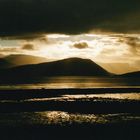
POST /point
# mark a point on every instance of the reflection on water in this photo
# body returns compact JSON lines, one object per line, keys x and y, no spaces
{"x":63,"y":118}
{"x":91,"y":97}
{"x":76,"y":82}
{"x":128,"y":96}
{"x":53,"y":117}
{"x":58,"y":117}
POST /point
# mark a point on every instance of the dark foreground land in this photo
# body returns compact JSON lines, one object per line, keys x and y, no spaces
{"x":119,"y":131}
{"x":31,"y":115}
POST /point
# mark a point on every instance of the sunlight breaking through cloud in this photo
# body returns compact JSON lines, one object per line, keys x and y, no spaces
{"x":101,"y":48}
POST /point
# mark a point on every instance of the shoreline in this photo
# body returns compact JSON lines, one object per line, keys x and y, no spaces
{"x":46,"y":93}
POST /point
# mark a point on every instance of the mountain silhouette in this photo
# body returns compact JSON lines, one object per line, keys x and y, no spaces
{"x":131,"y":74}
{"x":5,"y":64}
{"x":65,"y":67}
{"x":19,"y":59}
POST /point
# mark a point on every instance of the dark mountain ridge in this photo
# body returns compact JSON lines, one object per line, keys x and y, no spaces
{"x":19,"y":59}
{"x":5,"y":64}
{"x":131,"y":74}
{"x":65,"y":67}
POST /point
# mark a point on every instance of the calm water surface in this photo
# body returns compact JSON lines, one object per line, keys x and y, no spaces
{"x":76,"y":82}
{"x":61,"y":117}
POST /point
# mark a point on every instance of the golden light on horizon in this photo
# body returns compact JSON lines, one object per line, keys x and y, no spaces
{"x":108,"y":50}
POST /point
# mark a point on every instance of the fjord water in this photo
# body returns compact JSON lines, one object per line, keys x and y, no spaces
{"x":67,"y":113}
{"x":76,"y":82}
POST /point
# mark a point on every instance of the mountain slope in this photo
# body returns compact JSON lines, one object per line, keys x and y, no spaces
{"x":66,"y":67}
{"x":18,"y":60}
{"x":131,"y":74}
{"x":24,"y":59}
{"x":4,"y":63}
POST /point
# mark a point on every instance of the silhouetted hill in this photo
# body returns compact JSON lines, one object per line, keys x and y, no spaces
{"x":66,"y":67}
{"x":4,"y":63}
{"x":24,"y":59}
{"x":132,"y":74}
{"x":18,"y":60}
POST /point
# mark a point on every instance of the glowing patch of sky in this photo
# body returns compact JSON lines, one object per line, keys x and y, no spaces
{"x":8,"y":43}
{"x":101,"y":48}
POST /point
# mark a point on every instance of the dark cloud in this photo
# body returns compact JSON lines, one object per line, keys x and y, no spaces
{"x":24,"y":36}
{"x":28,"y":47}
{"x":44,"y":39}
{"x":21,"y":17}
{"x":80,"y":45}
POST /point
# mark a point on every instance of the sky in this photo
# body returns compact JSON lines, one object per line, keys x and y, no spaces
{"x":105,"y":31}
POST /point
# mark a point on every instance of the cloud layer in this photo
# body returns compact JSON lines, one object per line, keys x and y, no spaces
{"x":80,"y":45}
{"x":28,"y":47}
{"x":29,"y":18}
{"x":133,"y":43}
